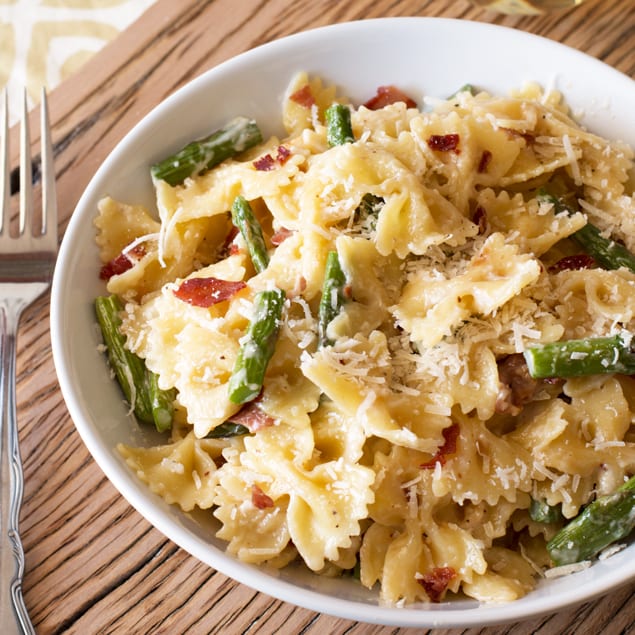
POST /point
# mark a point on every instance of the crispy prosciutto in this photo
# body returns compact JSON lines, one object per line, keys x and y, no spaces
{"x":304,"y":97}
{"x":280,"y":235}
{"x":444,"y":142}
{"x":450,"y":435}
{"x":387,"y":95}
{"x":517,"y":387}
{"x":253,"y":417}
{"x":265,"y":163}
{"x":484,"y":161}
{"x":577,"y":261}
{"x":283,"y":155}
{"x":268,"y":162}
{"x":121,"y":263}
{"x":206,"y":292}
{"x":229,"y":246}
{"x":436,"y":582}
{"x":259,"y":499}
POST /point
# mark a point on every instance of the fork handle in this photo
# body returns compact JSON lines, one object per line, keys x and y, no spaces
{"x":14,"y":617}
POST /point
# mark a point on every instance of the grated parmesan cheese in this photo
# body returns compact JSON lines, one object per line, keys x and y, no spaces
{"x":567,"y":569}
{"x":573,"y":159}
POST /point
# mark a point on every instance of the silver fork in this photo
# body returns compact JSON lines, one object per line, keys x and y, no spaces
{"x":27,"y":259}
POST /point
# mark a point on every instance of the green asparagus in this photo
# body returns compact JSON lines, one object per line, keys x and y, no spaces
{"x":333,"y":296}
{"x":243,"y":218}
{"x":139,"y":385}
{"x":604,"y":521}
{"x":238,"y":135}
{"x":227,"y":429}
{"x":542,"y":512}
{"x":574,"y":358}
{"x":162,"y":403}
{"x":257,"y":347}
{"x":466,"y":88}
{"x":338,"y":125}
{"x":607,"y":252}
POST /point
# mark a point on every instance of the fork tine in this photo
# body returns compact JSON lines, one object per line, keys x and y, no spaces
{"x":4,"y":162}
{"x":26,"y":171}
{"x":49,"y":198}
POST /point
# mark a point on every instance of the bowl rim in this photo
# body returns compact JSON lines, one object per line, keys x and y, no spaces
{"x":442,"y":615}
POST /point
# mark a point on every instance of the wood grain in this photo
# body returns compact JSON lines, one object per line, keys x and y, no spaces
{"x":94,"y":565}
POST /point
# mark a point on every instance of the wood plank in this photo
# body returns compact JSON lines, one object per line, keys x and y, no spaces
{"x":94,"y":565}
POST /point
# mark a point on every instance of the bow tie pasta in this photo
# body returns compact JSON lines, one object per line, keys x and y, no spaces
{"x":394,"y":344}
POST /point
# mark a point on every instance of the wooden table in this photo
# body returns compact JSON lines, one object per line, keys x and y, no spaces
{"x":94,"y":565}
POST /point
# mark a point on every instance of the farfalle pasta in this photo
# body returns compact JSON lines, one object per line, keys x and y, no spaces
{"x":400,"y":440}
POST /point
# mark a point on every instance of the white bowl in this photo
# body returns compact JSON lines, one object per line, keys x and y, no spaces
{"x":420,"y":55}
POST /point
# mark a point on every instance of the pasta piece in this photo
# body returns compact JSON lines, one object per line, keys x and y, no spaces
{"x":430,"y":308}
{"x":326,"y":501}
{"x":533,"y":228}
{"x":305,"y":101}
{"x":255,"y":532}
{"x":486,"y":467}
{"x":183,"y":473}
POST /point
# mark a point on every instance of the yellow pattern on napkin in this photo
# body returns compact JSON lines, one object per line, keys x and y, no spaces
{"x":44,"y":41}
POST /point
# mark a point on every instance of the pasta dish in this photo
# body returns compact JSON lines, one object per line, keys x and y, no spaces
{"x":393,"y":344}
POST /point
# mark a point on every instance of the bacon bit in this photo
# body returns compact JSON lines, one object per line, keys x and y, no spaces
{"x":347,"y":291}
{"x":486,"y":157}
{"x":444,"y":142}
{"x":387,"y":95}
{"x":229,"y":246}
{"x":229,"y":239}
{"x":253,"y":417}
{"x":304,"y":97}
{"x":280,"y":236}
{"x":450,"y":435}
{"x":259,"y":499}
{"x":121,"y":263}
{"x":436,"y":582}
{"x":206,"y":292}
{"x":517,"y":386}
{"x":283,"y":155}
{"x":480,"y":219}
{"x":578,"y":261}
{"x":266,"y":162}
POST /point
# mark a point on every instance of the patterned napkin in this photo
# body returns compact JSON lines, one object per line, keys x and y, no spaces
{"x":44,"y":41}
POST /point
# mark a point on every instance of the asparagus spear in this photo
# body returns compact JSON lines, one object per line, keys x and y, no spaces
{"x":238,"y":135}
{"x":139,"y":385}
{"x":243,"y":218}
{"x":162,"y":403}
{"x":338,"y":125}
{"x":604,"y":521}
{"x":608,"y":253}
{"x":332,"y":296}
{"x":574,"y":358}
{"x":227,"y":429}
{"x":542,"y":512}
{"x":257,"y":347}
{"x":466,"y":88}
